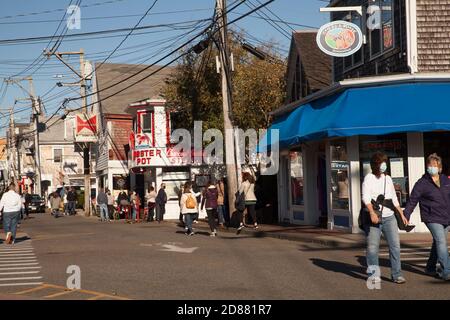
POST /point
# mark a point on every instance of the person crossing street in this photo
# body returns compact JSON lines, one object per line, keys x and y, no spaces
{"x":11,"y":206}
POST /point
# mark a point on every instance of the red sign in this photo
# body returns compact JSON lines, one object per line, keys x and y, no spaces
{"x":89,"y":124}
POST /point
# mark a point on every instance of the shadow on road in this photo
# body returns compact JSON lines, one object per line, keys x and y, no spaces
{"x":357,"y":272}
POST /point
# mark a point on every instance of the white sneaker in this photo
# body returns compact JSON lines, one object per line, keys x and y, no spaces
{"x":8,"y":238}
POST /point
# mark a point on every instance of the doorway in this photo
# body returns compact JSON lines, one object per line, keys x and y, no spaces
{"x":438,"y":142}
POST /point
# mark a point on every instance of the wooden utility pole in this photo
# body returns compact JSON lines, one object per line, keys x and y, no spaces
{"x":86,"y":149}
{"x":230,"y":160}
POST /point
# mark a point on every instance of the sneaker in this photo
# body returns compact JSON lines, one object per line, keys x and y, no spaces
{"x":239,"y":229}
{"x":195,"y":221}
{"x":192,"y":233}
{"x":431,"y":273}
{"x":212,"y":234}
{"x":399,"y":280}
{"x":256,"y":227}
{"x":8,"y":238}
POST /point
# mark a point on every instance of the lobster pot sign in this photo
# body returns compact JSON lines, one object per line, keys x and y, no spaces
{"x":86,"y":128}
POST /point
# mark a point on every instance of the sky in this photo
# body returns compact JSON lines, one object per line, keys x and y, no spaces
{"x":39,"y":18}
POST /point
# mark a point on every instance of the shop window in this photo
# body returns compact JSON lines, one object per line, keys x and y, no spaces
{"x":356,"y":58}
{"x":395,"y":148}
{"x":381,"y":35}
{"x":339,"y":175}
{"x":296,"y":165}
{"x":57,"y":155}
{"x":146,"y":123}
{"x":174,"y":179}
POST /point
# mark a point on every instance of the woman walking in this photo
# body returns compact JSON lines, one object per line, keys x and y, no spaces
{"x":248,"y":189}
{"x":189,"y":207}
{"x":378,"y":186}
{"x":161,"y":200}
{"x":432,"y":193}
{"x":210,"y":198}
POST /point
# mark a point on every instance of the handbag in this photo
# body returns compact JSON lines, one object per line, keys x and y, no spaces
{"x":401,"y":225}
{"x":364,"y":214}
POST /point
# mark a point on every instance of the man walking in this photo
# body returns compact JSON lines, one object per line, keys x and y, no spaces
{"x":102,"y":201}
{"x":55,"y":203}
{"x":11,"y":205}
{"x":71,"y":201}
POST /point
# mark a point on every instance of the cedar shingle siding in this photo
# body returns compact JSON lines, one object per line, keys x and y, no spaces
{"x":433,"y":35}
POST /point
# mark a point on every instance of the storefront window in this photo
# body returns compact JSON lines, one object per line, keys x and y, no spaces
{"x":395,"y":148}
{"x":382,"y":34}
{"x":438,"y":142}
{"x":339,"y":175}
{"x":296,"y":164}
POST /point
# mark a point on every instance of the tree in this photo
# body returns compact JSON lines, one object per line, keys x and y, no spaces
{"x":194,"y":90}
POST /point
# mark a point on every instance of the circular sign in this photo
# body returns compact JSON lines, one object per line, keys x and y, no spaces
{"x":339,"y":38}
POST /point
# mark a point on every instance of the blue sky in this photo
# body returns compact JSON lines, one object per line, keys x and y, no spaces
{"x":99,"y":15}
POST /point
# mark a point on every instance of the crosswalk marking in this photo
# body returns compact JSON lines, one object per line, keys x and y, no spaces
{"x":19,"y":266}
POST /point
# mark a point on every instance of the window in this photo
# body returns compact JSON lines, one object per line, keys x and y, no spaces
{"x":356,"y":58}
{"x":57,"y":155}
{"x":146,"y":122}
{"x":339,"y":175}
{"x":394,"y":146}
{"x":296,"y":165}
{"x":174,"y":178}
{"x":381,"y":35}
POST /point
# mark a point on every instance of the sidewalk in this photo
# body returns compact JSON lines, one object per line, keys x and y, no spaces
{"x":318,"y":236}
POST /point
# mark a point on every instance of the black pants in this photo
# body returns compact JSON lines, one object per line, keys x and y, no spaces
{"x":151,"y":212}
{"x":250,"y":210}
{"x":160,"y":210}
{"x":212,"y":219}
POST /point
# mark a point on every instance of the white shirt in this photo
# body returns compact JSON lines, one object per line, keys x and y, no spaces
{"x":249,"y":190}
{"x":372,"y":187}
{"x":11,"y":202}
{"x":151,"y":196}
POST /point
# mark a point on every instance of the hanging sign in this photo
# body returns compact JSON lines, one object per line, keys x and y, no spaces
{"x":339,"y":38}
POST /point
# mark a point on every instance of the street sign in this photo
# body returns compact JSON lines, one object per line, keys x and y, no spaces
{"x":339,"y":38}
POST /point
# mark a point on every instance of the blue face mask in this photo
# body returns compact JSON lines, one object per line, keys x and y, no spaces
{"x":383,"y":167}
{"x":433,"y":171}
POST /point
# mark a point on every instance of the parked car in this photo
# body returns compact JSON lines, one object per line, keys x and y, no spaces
{"x":37,"y":204}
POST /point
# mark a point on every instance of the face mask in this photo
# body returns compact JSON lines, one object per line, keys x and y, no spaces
{"x":383,"y":167}
{"x":433,"y":171}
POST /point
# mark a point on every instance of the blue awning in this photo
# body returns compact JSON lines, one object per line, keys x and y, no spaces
{"x":375,"y":110}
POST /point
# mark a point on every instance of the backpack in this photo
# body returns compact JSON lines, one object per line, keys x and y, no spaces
{"x":239,"y":203}
{"x":190,"y":202}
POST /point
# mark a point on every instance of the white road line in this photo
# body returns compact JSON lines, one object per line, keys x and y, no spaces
{"x":20,"y":278}
{"x":20,"y":284}
{"x":16,"y":251}
{"x":19,"y":268}
{"x":18,"y":272}
{"x":414,"y":259}
{"x":18,"y":264}
{"x":14,"y":257}
{"x":14,"y":254}
{"x":12,"y":261}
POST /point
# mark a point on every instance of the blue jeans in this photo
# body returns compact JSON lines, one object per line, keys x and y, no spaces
{"x":188,"y":218}
{"x":389,"y":229}
{"x":10,"y":220}
{"x":439,"y":250}
{"x":104,"y":215}
{"x":220,"y":214}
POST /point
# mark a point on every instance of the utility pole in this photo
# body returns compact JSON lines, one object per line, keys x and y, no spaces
{"x":230,"y":160}
{"x":86,"y":149}
{"x":35,"y":104}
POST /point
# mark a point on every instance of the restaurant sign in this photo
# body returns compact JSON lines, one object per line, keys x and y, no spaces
{"x":339,"y":38}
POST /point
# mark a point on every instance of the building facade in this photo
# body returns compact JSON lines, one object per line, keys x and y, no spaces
{"x":378,"y":101}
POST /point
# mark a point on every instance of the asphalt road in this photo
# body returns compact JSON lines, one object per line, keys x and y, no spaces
{"x":151,"y":261}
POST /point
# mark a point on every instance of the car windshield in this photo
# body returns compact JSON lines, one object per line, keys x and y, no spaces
{"x":35,"y":197}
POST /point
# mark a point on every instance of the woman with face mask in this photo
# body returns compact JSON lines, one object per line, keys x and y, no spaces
{"x":432,"y":193}
{"x":376,"y":184}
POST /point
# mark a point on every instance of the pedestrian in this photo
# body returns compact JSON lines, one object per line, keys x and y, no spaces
{"x":195,"y":190}
{"x":71,"y":201}
{"x":136,"y":205}
{"x":55,"y":203}
{"x":432,"y":193}
{"x":65,"y":203}
{"x":102,"y":201}
{"x":188,"y":206}
{"x":209,"y":201}
{"x":110,"y":203}
{"x":378,"y":186}
{"x":11,"y":206}
{"x":22,"y":210}
{"x":150,"y":198}
{"x":161,"y":200}
{"x":123,"y":202}
{"x":220,"y":202}
{"x":27,"y":204}
{"x":247,"y":188}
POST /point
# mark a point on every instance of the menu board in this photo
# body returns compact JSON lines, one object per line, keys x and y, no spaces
{"x":397,"y":170}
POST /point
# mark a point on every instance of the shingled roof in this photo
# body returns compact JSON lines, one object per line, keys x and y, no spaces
{"x":149,"y":88}
{"x":317,"y":65}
